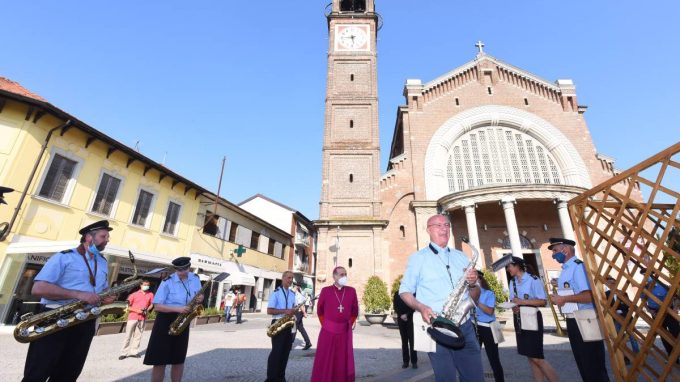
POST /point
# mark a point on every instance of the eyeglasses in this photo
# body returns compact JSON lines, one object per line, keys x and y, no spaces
{"x":440,"y":226}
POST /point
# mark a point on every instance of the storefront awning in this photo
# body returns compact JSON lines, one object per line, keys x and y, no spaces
{"x":240,"y":278}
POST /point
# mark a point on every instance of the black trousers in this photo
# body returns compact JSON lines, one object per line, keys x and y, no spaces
{"x":59,"y":356}
{"x":672,"y":325}
{"x":491,"y":348}
{"x":278,"y":358}
{"x":406,"y":334}
{"x":301,"y":328}
{"x":589,"y":356}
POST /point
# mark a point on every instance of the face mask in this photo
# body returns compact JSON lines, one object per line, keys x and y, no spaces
{"x":559,"y":257}
{"x":145,"y":287}
{"x":342,"y":281}
{"x":93,"y":250}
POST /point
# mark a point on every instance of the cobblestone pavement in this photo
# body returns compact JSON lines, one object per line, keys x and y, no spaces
{"x":231,"y":352}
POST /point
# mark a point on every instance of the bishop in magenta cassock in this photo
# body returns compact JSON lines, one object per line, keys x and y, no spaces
{"x":337,"y":309}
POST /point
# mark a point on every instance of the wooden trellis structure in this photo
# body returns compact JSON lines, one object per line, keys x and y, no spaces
{"x":629,"y":228}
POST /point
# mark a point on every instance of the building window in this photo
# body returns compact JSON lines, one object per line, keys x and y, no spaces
{"x":143,"y":209}
{"x":403,"y":231}
{"x":488,"y":90}
{"x":351,"y":123}
{"x":58,"y":177}
{"x":351,"y":77}
{"x":351,"y":178}
{"x":457,"y":102}
{"x":349,"y":262}
{"x":270,"y":248}
{"x":232,"y":232}
{"x":499,"y":155}
{"x":171,"y":218}
{"x":526,"y":102}
{"x":254,"y":240}
{"x":106,"y":194}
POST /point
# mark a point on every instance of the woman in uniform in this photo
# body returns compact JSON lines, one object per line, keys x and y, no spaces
{"x":527,"y":290}
{"x":172,"y":298}
{"x":485,"y":316}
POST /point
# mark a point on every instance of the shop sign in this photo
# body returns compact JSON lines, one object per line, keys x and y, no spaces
{"x":37,"y":258}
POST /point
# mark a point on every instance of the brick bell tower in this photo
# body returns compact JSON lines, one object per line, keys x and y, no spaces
{"x":350,"y":230}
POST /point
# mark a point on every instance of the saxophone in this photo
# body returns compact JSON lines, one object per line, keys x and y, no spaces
{"x":445,"y":328}
{"x":183,"y":320}
{"x":286,"y":321}
{"x":35,"y":326}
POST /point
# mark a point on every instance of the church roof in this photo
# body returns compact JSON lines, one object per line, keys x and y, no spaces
{"x":485,"y":57}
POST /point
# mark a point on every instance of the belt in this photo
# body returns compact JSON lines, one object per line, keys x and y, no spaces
{"x":485,"y":324}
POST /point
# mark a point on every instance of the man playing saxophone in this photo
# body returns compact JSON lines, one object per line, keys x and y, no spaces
{"x":71,"y":275}
{"x":281,"y":303}
{"x":431,"y":274}
{"x":172,"y":298}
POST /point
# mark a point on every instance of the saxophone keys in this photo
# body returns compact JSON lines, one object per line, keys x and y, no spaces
{"x":95,"y":310}
{"x":62,"y":323}
{"x":39,"y":330}
{"x":81,"y":315}
{"x":24,"y":332}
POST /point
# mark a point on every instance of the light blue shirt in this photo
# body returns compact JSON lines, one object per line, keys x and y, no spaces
{"x":528,"y":288}
{"x":574,"y":277}
{"x":487,"y":298}
{"x":279,"y":300}
{"x":427,"y":277}
{"x":176,"y":292}
{"x":68,"y":270}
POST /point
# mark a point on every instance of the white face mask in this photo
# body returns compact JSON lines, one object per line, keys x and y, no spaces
{"x":342,"y":281}
{"x":145,"y":287}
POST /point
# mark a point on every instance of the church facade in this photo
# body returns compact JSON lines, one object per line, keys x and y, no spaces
{"x":498,"y":149}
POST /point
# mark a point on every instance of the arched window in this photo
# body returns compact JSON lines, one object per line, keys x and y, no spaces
{"x":525,"y":243}
{"x":499,"y":155}
{"x":352,"y":5}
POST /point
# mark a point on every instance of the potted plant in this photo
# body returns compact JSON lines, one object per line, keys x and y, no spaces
{"x":376,"y":301}
{"x":111,"y":324}
{"x":394,"y":290}
{"x":213,"y":315}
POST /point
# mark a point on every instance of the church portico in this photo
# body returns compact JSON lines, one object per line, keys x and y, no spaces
{"x":510,"y":219}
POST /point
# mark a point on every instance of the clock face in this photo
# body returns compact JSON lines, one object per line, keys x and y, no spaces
{"x":351,"y":38}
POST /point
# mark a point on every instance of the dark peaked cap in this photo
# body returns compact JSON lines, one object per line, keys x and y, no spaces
{"x":181,"y":262}
{"x":558,"y":240}
{"x":102,"y":224}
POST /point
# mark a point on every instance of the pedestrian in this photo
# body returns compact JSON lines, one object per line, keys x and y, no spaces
{"x":431,"y":274}
{"x":621,"y":311}
{"x":240,"y":303}
{"x":589,"y":355}
{"x":172,"y":299}
{"x":660,"y":291}
{"x":228,"y":303}
{"x":140,"y":305}
{"x":527,"y":293}
{"x":300,"y":314}
{"x":338,"y":309}
{"x":308,"y":301}
{"x":280,"y":304}
{"x":405,"y":324}
{"x":77,"y":274}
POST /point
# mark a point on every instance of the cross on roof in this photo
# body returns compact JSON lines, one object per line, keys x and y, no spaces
{"x":480,"y":46}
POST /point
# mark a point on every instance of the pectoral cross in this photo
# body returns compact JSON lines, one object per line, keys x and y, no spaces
{"x":341,"y":308}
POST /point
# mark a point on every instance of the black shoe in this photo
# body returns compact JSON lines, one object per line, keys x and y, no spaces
{"x":134,"y":356}
{"x":307,"y":347}
{"x":121,"y":357}
{"x":404,"y":365}
{"x":414,"y":366}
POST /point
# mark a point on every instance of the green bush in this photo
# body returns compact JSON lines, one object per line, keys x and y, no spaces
{"x":212,"y":312}
{"x":376,"y":300}
{"x":113,"y":318}
{"x":395,"y":285}
{"x":496,"y":287}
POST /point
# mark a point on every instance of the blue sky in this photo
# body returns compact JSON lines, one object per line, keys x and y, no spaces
{"x":203,"y":79}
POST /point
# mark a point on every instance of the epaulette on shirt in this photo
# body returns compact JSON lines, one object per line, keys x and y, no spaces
{"x":66,"y":251}
{"x":534,"y":277}
{"x":579,"y":262}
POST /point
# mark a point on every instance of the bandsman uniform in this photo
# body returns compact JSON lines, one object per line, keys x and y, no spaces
{"x":529,"y":287}
{"x":485,"y":334}
{"x":60,"y":356}
{"x":590,"y":356}
{"x":282,"y":298}
{"x":163,"y":348}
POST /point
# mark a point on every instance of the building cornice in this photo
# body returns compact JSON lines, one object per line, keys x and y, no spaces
{"x":496,"y":193}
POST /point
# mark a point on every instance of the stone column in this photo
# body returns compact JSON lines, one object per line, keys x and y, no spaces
{"x":471,"y":220}
{"x":423,"y":210}
{"x":508,"y":204}
{"x":565,"y":221}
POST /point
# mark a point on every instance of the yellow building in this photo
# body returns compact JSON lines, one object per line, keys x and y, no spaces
{"x":67,"y":174}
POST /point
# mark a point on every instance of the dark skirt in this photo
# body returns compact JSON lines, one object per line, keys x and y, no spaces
{"x":163,"y":348}
{"x":529,"y":342}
